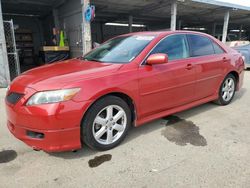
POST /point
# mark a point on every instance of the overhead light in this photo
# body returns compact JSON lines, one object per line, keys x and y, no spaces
{"x":124,"y":25}
{"x":195,"y":28}
{"x":237,"y":30}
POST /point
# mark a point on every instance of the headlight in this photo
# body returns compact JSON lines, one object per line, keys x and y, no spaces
{"x":54,"y":96}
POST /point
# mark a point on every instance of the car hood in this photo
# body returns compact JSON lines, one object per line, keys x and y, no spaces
{"x":57,"y":75}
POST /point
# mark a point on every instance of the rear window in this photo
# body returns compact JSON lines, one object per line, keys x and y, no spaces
{"x":200,"y":46}
{"x":217,"y":48}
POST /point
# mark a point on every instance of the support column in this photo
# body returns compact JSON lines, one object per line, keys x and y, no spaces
{"x":86,"y":29}
{"x":214,"y":29}
{"x":225,"y":26}
{"x":130,"y":23}
{"x":179,"y":24}
{"x":173,"y":15}
{"x":4,"y":65}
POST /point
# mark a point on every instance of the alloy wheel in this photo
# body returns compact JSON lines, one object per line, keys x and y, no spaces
{"x":228,"y":89}
{"x":109,"y":124}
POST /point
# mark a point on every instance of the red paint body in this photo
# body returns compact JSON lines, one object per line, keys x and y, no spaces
{"x":156,"y":90}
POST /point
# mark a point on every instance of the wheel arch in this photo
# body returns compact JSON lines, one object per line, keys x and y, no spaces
{"x":236,"y":75}
{"x":128,"y":99}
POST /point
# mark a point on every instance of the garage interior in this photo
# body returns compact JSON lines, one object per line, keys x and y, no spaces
{"x":34,"y":22}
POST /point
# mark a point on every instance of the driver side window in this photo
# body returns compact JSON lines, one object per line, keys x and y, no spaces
{"x":175,"y":46}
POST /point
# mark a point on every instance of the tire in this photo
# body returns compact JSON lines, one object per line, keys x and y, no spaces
{"x":100,"y":122}
{"x":227,"y":92}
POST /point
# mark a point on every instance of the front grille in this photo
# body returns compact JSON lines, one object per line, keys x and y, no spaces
{"x":13,"y":98}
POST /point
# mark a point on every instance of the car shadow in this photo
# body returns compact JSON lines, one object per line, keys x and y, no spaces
{"x":145,"y":129}
{"x":160,"y":123}
{"x":85,"y":151}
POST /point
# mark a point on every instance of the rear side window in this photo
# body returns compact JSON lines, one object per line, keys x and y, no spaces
{"x":217,"y":48}
{"x":175,"y":46}
{"x":200,"y":46}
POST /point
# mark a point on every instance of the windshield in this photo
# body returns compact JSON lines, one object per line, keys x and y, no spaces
{"x":119,"y":50}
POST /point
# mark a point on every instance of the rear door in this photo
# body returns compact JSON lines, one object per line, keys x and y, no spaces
{"x":164,"y":86}
{"x":208,"y":58}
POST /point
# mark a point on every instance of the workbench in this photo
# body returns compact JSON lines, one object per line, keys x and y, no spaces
{"x":50,"y":54}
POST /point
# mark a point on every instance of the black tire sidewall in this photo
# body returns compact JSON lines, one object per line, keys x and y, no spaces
{"x":87,"y":123}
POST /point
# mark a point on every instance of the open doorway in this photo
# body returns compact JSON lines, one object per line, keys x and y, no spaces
{"x":35,"y":35}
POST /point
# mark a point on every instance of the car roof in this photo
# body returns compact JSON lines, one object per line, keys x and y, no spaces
{"x":166,"y":32}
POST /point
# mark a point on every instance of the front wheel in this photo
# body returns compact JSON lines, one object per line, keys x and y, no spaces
{"x":227,"y":90}
{"x":106,"y":123}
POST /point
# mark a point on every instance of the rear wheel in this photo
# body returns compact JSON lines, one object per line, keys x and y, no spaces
{"x":227,"y":90}
{"x":106,"y":123}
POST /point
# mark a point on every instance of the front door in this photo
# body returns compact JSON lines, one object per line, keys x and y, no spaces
{"x":164,"y":86}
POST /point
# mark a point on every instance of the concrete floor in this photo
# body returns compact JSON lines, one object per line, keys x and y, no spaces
{"x":208,"y":147}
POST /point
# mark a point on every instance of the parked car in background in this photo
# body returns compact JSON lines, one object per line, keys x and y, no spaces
{"x":233,"y":40}
{"x":127,"y":81}
{"x":245,"y":51}
{"x":237,"y":43}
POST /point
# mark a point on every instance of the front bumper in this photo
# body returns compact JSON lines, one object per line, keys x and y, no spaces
{"x":53,"y":140}
{"x":59,"y":124}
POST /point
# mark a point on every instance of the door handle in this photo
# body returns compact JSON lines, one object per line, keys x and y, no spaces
{"x":189,"y":66}
{"x":224,"y":59}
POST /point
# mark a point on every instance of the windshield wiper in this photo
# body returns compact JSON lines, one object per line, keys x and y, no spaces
{"x":92,"y":59}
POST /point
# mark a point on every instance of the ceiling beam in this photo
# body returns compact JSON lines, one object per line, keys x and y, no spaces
{"x":29,"y":2}
{"x":151,"y":7}
{"x":41,"y":13}
{"x":58,"y":3}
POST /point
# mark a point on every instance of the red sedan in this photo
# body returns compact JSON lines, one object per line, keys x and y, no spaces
{"x":127,"y":81}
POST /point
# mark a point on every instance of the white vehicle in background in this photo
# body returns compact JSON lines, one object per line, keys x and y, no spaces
{"x":233,"y":40}
{"x":237,"y":43}
{"x":245,"y":51}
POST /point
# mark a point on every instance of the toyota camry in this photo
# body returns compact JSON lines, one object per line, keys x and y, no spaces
{"x":127,"y":81}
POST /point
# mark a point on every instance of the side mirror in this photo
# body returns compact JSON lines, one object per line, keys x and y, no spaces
{"x":159,"y":58}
